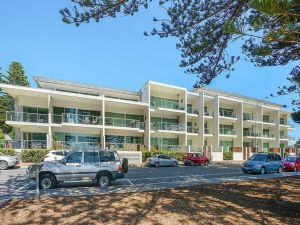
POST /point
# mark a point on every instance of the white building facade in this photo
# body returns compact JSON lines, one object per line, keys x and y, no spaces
{"x":64,"y":115}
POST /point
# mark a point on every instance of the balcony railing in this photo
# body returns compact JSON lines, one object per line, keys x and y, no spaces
{"x":287,"y":137}
{"x":190,"y":110}
{"x":207,"y":131}
{"x":268,"y":120}
{"x":81,"y":119}
{"x":208,"y":112}
{"x":250,"y":134}
{"x":119,"y":122}
{"x":75,"y":145}
{"x":227,"y":113}
{"x":248,"y":116}
{"x":227,"y":131}
{"x":167,"y":105}
{"x":191,"y":129}
{"x":57,"y":118}
{"x":125,"y":146}
{"x":167,"y":126}
{"x":182,"y":148}
{"x":268,"y":135}
{"x":26,"y":117}
{"x":34,"y":144}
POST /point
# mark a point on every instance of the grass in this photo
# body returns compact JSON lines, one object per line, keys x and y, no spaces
{"x":274,"y":201}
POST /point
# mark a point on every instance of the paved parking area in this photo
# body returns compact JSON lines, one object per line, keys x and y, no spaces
{"x":13,"y":183}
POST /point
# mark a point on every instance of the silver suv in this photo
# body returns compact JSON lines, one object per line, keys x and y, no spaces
{"x":7,"y":161}
{"x":100,"y":166}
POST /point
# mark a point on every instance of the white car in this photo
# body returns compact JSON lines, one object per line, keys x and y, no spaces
{"x":55,"y":155}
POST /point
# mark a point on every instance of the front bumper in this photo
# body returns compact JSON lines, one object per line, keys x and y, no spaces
{"x":253,"y":169}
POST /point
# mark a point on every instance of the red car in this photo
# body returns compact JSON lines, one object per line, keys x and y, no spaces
{"x":291,"y":163}
{"x":192,"y":159}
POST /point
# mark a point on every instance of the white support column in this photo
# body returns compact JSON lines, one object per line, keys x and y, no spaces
{"x":277,"y":129}
{"x":103,"y":124}
{"x":258,"y":142}
{"x":201,"y":119}
{"x":18,"y":132}
{"x":185,"y":117}
{"x":216,"y":131}
{"x":239,"y":125}
{"x":50,"y":113}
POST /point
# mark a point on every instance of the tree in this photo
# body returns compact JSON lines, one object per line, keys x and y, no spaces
{"x":268,"y":30}
{"x":15,"y":76}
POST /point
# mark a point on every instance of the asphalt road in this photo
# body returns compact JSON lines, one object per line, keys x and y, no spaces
{"x":13,"y":183}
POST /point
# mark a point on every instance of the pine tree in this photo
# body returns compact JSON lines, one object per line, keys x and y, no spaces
{"x":15,"y":76}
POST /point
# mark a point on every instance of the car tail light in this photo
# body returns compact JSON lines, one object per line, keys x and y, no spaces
{"x":120,"y":168}
{"x":46,"y":156}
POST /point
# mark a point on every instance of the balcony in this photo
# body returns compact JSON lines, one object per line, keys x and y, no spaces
{"x":167,"y":126}
{"x":80,"y":119}
{"x":191,"y":129}
{"x":268,"y":120}
{"x":190,"y":110}
{"x":125,"y":146}
{"x":250,"y":134}
{"x":287,"y":137}
{"x":227,"y":113}
{"x":26,"y":117}
{"x":209,"y":113}
{"x":248,"y":116}
{"x":167,"y":105}
{"x":120,"y":122}
{"x":182,"y":148}
{"x":227,"y":131}
{"x":67,"y":145}
{"x":207,"y":131}
{"x":268,"y":135}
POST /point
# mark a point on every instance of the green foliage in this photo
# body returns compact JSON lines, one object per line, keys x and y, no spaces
{"x":33,"y":155}
{"x":285,"y":154}
{"x":15,"y":76}
{"x":227,"y":155}
{"x":2,"y":135}
{"x":8,"y":151}
{"x":268,"y":31}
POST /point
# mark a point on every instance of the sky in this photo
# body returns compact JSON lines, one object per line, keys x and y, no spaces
{"x":113,"y":52}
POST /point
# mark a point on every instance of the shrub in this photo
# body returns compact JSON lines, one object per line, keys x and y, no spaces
{"x":33,"y":155}
{"x":8,"y":151}
{"x":227,"y":155}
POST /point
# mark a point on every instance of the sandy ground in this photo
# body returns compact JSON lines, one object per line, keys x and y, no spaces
{"x":274,"y":201}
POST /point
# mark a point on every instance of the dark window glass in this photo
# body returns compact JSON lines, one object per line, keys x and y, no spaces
{"x":277,"y":157}
{"x":257,"y":157}
{"x":58,"y":153}
{"x":91,"y":157}
{"x":74,"y":157}
{"x":107,"y":157}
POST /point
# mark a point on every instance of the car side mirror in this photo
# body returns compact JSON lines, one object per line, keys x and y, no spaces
{"x":64,"y":161}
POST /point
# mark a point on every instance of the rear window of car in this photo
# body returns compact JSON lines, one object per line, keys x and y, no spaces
{"x":290,"y":159}
{"x":277,"y":157}
{"x":91,"y":157}
{"x":61,"y":153}
{"x":107,"y":156}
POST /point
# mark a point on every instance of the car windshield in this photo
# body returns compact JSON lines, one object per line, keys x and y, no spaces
{"x":290,"y":159}
{"x":258,"y":157}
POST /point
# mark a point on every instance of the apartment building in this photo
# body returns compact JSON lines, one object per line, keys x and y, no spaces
{"x":62,"y":114}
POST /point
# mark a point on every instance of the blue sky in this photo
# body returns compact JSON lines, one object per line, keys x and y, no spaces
{"x":113,"y":52}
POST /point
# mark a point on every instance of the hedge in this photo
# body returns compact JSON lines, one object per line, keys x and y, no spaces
{"x":227,"y":155}
{"x":174,"y":154}
{"x":33,"y":155}
{"x":8,"y":151}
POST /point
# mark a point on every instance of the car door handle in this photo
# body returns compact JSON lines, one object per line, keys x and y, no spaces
{"x":96,"y":165}
{"x":78,"y":166}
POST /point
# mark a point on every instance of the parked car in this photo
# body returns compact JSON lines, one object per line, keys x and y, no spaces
{"x":161,"y":160}
{"x":7,"y":161}
{"x":55,"y":155}
{"x":262,"y":163}
{"x":291,"y":163}
{"x":192,"y":159}
{"x":100,"y":166}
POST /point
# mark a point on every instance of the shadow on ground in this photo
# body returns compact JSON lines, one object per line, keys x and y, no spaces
{"x":274,"y":201}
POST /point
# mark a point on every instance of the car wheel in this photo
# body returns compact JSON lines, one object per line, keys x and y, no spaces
{"x":104,"y":180}
{"x":263,"y":170}
{"x":206,"y":163}
{"x":192,"y":163}
{"x":47,"y":181}
{"x":3,"y":165}
{"x":279,"y":169}
{"x":156,"y":164}
{"x":174,"y":164}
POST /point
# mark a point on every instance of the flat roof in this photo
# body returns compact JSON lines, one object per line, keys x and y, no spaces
{"x":41,"y":79}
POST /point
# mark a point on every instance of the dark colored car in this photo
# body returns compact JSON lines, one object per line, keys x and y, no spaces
{"x":291,"y":163}
{"x":192,"y":159}
{"x":262,"y":163}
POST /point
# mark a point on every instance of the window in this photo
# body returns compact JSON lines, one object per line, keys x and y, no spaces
{"x":277,"y":157}
{"x":74,"y":157}
{"x":107,"y":157}
{"x":270,"y":158}
{"x":61,"y":153}
{"x":91,"y":157}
